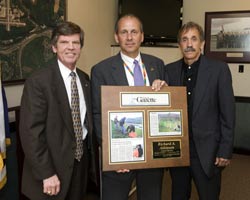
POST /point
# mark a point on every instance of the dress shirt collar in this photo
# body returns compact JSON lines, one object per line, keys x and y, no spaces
{"x":193,"y":65}
{"x":65,"y":71}
{"x":130,"y":61}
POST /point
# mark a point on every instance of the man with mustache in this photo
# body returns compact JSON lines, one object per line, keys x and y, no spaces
{"x":211,"y":116}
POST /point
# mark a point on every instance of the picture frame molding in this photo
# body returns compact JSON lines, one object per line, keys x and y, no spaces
{"x":228,"y":54}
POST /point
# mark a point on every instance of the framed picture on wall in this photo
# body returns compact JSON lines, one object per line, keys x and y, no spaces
{"x":227,"y":36}
{"x":25,"y":29}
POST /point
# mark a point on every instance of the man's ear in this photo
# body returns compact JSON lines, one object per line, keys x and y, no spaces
{"x":202,"y":46}
{"x":142,"y":39}
{"x":116,"y":38}
{"x":54,"y":49}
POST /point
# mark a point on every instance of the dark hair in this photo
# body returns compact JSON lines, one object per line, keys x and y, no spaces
{"x":190,"y":25}
{"x":66,"y":28}
{"x":125,"y":16}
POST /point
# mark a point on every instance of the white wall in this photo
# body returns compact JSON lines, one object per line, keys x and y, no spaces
{"x":194,"y":10}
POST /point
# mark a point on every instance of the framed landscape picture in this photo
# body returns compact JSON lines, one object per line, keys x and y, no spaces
{"x":25,"y":29}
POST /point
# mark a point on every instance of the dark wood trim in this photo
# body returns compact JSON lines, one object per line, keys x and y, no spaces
{"x":242,"y":99}
{"x":241,"y":151}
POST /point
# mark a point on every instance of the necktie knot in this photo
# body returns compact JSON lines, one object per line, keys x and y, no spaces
{"x":73,"y":74}
{"x":138,"y":78}
{"x":136,"y":62}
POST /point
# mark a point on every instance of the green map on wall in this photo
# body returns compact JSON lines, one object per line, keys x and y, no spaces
{"x":25,"y":30}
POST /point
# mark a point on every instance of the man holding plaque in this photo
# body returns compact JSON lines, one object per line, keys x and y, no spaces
{"x":128,"y":68}
{"x":211,"y":116}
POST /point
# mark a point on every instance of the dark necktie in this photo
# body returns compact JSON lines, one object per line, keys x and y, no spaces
{"x":76,"y":117}
{"x":138,"y":78}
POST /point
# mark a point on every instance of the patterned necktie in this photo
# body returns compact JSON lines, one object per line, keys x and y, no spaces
{"x":138,"y":79}
{"x":76,"y":117}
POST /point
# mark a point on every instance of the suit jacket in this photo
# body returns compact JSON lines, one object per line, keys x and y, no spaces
{"x":46,"y":131}
{"x":213,"y":110}
{"x":112,"y":72}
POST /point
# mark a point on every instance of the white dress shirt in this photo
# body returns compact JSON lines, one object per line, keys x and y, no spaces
{"x":65,"y":72}
{"x":130,"y":63}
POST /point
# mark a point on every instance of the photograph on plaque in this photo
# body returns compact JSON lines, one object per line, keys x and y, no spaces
{"x":127,"y":141}
{"x":165,"y":123}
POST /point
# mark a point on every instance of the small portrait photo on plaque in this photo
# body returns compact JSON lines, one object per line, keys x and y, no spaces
{"x":165,"y":123}
{"x":138,"y":151}
{"x":127,"y":139}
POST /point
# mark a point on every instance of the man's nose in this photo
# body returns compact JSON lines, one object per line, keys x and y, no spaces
{"x":71,"y":45}
{"x":129,"y":36}
{"x":189,"y":43}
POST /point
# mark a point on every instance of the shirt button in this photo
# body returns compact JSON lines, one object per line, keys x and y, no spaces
{"x":189,"y":93}
{"x":189,"y":79}
{"x":189,"y":67}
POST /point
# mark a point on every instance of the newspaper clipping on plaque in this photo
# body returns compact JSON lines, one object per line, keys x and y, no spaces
{"x":142,"y":128}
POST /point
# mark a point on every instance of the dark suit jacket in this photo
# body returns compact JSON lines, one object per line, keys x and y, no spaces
{"x":46,"y":130}
{"x":111,"y":72}
{"x":213,"y":110}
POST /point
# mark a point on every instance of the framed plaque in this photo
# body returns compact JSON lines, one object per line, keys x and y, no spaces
{"x":142,"y":128}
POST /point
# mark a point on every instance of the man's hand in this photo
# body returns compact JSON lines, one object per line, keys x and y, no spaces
{"x":51,"y":185}
{"x":158,"y":84}
{"x":222,"y":162}
{"x":123,"y":171}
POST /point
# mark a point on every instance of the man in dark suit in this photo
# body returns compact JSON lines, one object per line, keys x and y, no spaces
{"x":211,"y":116}
{"x":119,"y":70}
{"x":56,"y":166}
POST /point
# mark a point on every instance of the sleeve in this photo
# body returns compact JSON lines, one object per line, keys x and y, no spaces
{"x":96,"y":82}
{"x":227,"y":113}
{"x":33,"y":130}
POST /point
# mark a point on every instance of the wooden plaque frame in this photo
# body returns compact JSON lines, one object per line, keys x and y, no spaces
{"x":154,"y":133}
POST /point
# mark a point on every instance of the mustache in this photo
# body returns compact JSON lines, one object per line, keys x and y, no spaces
{"x":189,"y":49}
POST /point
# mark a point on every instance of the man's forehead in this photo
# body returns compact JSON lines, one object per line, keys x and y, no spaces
{"x":190,"y":32}
{"x":76,"y":35}
{"x":129,"y":22}
{"x":69,"y":37}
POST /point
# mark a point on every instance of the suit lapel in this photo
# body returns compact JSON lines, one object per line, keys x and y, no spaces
{"x":118,"y":72}
{"x":85,"y":87}
{"x":178,"y":71}
{"x":86,"y":92}
{"x":150,"y":69}
{"x":203,"y":78}
{"x":62,"y":98}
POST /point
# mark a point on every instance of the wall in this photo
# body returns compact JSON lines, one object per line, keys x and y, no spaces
{"x":241,"y":81}
{"x":97,"y":18}
{"x":168,"y":55}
